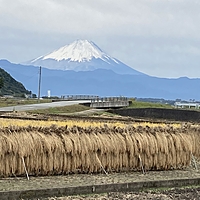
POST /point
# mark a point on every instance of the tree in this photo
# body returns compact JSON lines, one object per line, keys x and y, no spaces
{"x":34,"y":96}
{"x":1,"y":82}
{"x":1,"y":85}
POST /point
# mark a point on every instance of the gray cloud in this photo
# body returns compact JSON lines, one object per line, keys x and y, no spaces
{"x":157,"y":37}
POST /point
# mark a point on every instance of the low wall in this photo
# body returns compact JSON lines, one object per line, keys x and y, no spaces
{"x":92,"y":189}
{"x":159,"y":113}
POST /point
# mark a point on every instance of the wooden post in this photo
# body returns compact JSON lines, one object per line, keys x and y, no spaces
{"x":195,"y":164}
{"x":141,"y":164}
{"x":101,"y":165}
{"x":25,"y":168}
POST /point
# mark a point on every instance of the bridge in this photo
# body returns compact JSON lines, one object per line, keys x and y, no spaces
{"x":99,"y":102}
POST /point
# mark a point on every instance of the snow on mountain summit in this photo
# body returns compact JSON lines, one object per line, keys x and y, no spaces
{"x":81,"y":55}
{"x":78,"y":51}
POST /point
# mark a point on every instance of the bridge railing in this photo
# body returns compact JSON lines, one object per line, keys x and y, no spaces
{"x":79,"y":97}
{"x":108,"y":102}
{"x":99,"y":102}
{"x":109,"y":99}
{"x":186,"y":105}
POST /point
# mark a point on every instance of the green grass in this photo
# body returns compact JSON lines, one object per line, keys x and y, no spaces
{"x":105,"y":114}
{"x":73,"y":108}
{"x":140,"y":104}
{"x":61,"y":110}
{"x":4,"y":102}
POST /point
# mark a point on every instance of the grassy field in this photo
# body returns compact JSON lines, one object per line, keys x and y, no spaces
{"x":140,"y":104}
{"x":79,"y":108}
{"x":72,"y":108}
{"x":4,"y":102}
{"x":59,"y":110}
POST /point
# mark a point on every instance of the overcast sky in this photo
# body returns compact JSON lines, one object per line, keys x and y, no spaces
{"x":157,"y":37}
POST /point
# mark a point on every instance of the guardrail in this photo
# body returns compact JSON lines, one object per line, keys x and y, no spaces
{"x":109,"y":102}
{"x":187,"y":105}
{"x":79,"y":97}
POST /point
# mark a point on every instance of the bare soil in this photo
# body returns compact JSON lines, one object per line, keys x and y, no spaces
{"x":21,"y":183}
{"x":179,"y":194}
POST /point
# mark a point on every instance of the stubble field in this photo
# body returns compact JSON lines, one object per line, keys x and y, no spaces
{"x":70,"y":146}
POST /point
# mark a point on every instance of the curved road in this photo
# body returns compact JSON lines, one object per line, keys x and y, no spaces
{"x":42,"y":105}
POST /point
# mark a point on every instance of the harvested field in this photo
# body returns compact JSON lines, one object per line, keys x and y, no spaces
{"x":177,"y":194}
{"x":72,"y":180}
{"x":38,"y":183}
{"x":83,"y":147}
{"x":54,"y":147}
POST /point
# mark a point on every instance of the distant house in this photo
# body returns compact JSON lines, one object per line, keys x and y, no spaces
{"x":187,"y":105}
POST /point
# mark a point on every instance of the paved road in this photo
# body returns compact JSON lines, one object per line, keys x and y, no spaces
{"x":41,"y":105}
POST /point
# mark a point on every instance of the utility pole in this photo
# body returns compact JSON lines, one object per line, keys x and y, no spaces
{"x":39,"y":84}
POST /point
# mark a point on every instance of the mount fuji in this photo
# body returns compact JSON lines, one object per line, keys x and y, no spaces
{"x":83,"y":68}
{"x":82,"y":55}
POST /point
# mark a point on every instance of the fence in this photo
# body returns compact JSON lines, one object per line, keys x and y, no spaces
{"x":109,"y":102}
{"x":79,"y":97}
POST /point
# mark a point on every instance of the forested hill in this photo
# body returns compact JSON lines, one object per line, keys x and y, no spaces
{"x":11,"y":86}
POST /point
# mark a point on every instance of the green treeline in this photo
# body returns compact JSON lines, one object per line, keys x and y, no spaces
{"x":9,"y":86}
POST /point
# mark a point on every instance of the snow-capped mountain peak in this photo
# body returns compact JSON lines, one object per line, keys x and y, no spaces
{"x":81,"y":55}
{"x":78,"y":51}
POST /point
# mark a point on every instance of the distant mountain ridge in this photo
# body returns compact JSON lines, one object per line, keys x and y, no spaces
{"x":102,"y":82}
{"x":83,"y":68}
{"x":82,"y":55}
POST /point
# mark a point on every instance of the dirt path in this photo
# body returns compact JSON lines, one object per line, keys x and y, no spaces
{"x":13,"y":184}
{"x":87,"y":112}
{"x":175,"y":194}
{"x":21,"y":183}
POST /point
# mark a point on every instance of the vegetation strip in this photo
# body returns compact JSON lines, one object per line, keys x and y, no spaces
{"x":57,"y":117}
{"x":97,"y":189}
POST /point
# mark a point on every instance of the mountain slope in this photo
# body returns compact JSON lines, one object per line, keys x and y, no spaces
{"x":82,"y":55}
{"x":103,"y":83}
{"x":11,"y":86}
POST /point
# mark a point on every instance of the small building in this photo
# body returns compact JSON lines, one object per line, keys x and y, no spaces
{"x":187,"y":105}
